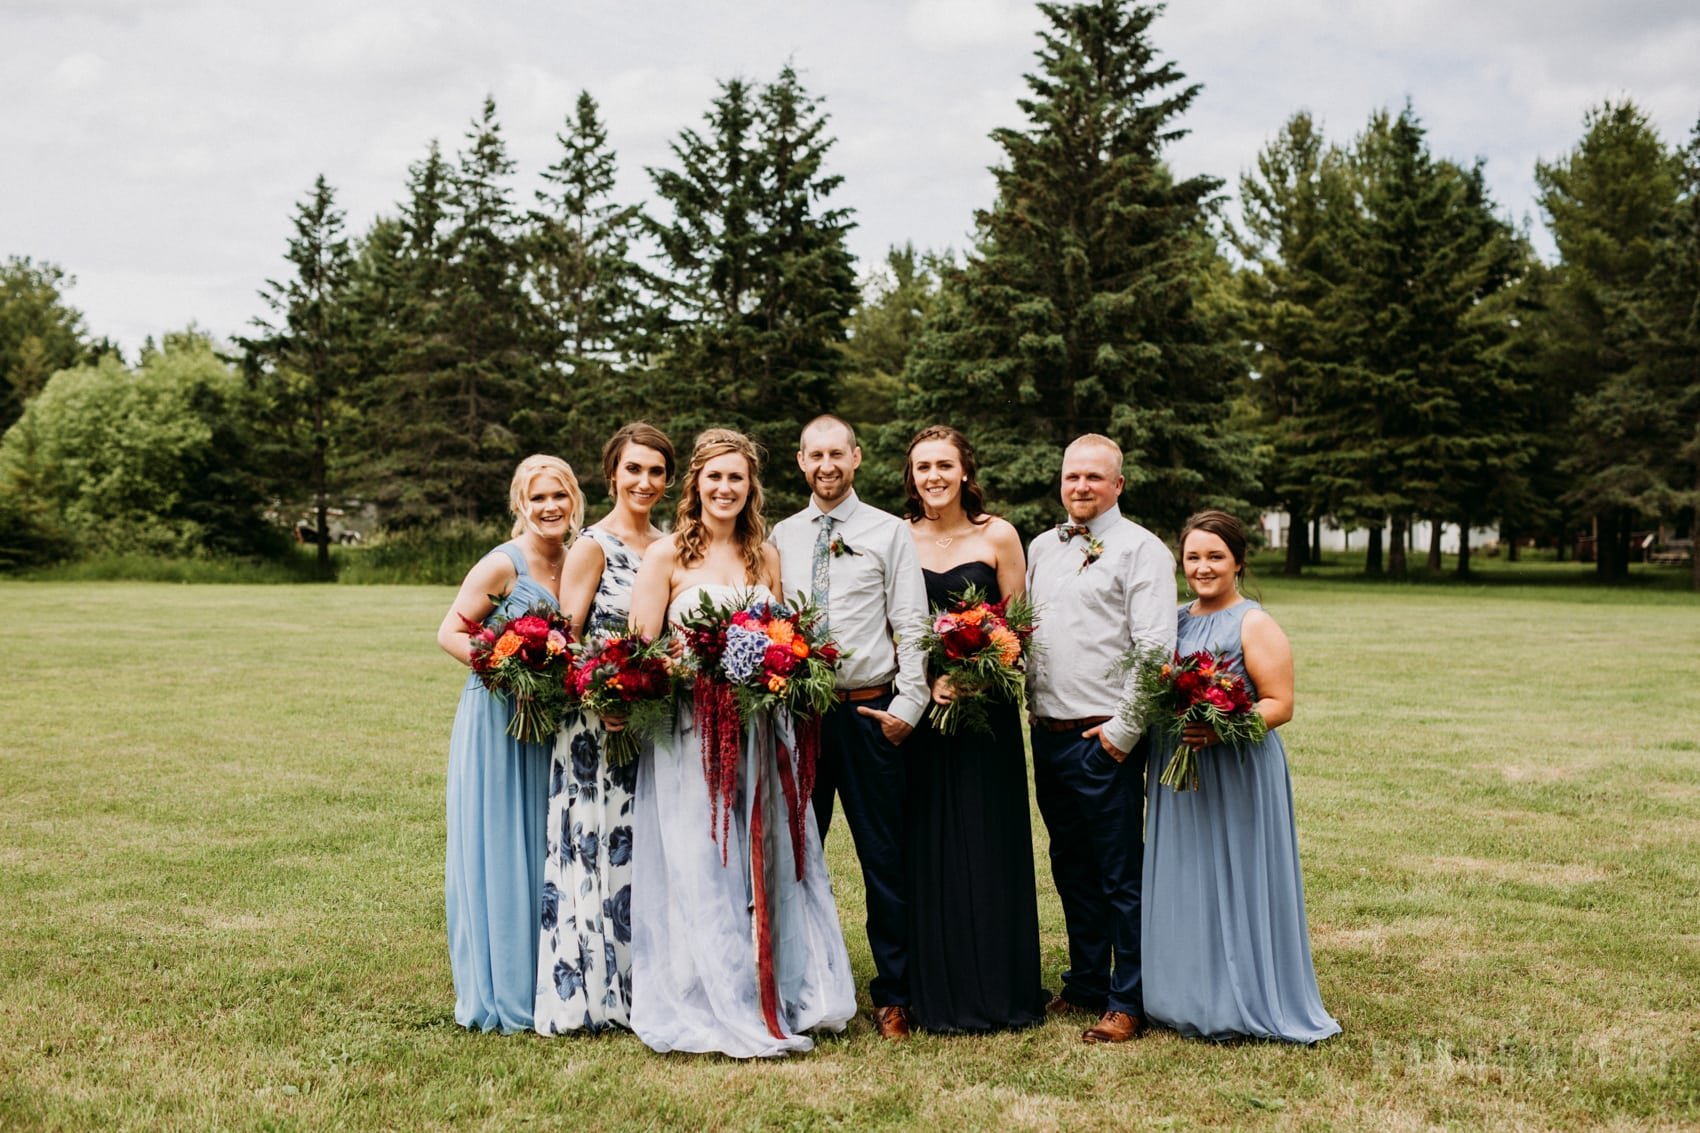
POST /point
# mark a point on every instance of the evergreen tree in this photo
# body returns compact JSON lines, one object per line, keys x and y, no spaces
{"x":1602,"y":201}
{"x":757,"y":279}
{"x":588,"y":289}
{"x":493,"y":328}
{"x":406,"y":384}
{"x":1656,"y":401}
{"x":1077,"y":310}
{"x":305,"y":361}
{"x":451,"y":391}
{"x":1292,"y":209}
{"x":883,"y":329}
{"x":1417,"y":407}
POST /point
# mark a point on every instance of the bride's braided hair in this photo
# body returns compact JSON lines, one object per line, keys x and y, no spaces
{"x":690,"y":534}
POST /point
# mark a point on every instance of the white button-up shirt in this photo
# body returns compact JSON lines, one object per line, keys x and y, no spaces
{"x":1090,"y":615}
{"x":878,"y":600}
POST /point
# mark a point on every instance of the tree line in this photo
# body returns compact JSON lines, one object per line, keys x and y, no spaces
{"x":1371,"y":342}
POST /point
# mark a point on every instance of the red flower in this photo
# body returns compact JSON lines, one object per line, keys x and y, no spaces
{"x":828,"y":652}
{"x":965,"y":641}
{"x":530,"y":627}
{"x":779,"y":659}
{"x":1219,"y":698}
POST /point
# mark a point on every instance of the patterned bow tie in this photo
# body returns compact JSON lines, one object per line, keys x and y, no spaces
{"x":1067,"y":531}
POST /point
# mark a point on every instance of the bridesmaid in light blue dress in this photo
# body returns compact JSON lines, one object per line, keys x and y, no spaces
{"x":497,"y":786}
{"x":584,"y":964}
{"x":1226,"y":950}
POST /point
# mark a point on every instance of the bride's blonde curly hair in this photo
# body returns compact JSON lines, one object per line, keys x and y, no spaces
{"x":690,"y":535}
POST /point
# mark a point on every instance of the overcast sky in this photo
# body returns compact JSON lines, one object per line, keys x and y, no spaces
{"x":155,"y":148}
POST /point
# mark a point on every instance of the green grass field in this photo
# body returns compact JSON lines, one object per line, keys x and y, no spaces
{"x":221,"y":887}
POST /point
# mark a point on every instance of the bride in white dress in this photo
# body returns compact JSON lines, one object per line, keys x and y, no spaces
{"x":701,"y":956}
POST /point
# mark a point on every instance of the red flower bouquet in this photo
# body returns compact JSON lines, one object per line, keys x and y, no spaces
{"x":1199,"y":688}
{"x":758,"y":657}
{"x":524,"y":660}
{"x":982,"y":647}
{"x":616,"y":673}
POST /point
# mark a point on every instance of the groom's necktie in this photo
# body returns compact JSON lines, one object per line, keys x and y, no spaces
{"x":820,"y":585}
{"x":1067,"y":531}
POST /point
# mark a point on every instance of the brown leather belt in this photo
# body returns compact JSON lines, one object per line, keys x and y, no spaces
{"x":1052,"y":724}
{"x":857,"y":695}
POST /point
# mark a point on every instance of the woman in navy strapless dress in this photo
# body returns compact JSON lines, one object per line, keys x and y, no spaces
{"x":974,"y":919}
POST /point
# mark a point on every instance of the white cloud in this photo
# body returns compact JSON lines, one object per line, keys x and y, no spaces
{"x":949,"y":24}
{"x":176,"y":137}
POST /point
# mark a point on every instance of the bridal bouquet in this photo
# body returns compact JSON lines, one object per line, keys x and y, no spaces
{"x":524,"y":660}
{"x":982,"y":648}
{"x":752,"y":658}
{"x":1198,"y":688}
{"x":620,"y":673}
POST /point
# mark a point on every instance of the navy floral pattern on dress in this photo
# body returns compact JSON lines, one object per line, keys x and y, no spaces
{"x":584,"y":968}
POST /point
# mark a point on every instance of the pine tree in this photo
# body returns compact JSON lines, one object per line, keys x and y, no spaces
{"x":1417,"y":408}
{"x":492,"y":325}
{"x":304,"y":362}
{"x":1602,"y":202}
{"x":1656,"y":402}
{"x":588,"y":289}
{"x":1291,"y":211}
{"x":709,"y":249}
{"x":757,"y":278}
{"x":406,"y":381}
{"x":1077,"y":310}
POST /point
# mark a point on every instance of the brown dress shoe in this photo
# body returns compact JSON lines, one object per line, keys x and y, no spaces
{"x":1114,"y":1027}
{"x":892,"y":1022}
{"x":1060,"y":1006}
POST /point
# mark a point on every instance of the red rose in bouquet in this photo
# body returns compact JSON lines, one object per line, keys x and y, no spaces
{"x":627,"y":675}
{"x":524,"y":660}
{"x":753,"y":657}
{"x":1199,"y":688}
{"x":982,"y":647}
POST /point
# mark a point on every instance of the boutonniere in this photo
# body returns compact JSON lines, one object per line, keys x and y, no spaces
{"x":840,"y":548}
{"x":1094,"y":551}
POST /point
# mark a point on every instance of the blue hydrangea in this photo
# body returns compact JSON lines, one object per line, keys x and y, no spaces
{"x":744,"y":650}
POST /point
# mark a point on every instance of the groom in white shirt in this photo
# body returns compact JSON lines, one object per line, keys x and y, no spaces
{"x":859,"y":564}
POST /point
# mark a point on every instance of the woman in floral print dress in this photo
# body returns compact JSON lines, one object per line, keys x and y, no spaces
{"x":584,"y":967}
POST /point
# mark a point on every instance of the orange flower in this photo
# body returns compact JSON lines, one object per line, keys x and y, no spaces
{"x":775,"y":683}
{"x":1009,"y":646}
{"x":781,"y":632}
{"x":506,"y":646}
{"x":972,"y":616}
{"x":799,"y":647}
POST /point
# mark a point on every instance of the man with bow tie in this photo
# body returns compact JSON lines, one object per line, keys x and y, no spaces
{"x":1102,"y":584}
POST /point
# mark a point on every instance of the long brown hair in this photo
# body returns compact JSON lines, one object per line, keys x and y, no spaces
{"x":690,"y":535}
{"x":973,"y":499}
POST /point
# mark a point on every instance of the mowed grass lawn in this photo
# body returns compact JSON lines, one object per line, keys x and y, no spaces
{"x":221,"y":887}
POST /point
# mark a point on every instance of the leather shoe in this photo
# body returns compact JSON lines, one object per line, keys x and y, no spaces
{"x":892,"y":1022}
{"x":1061,"y":1006}
{"x":1113,"y":1027}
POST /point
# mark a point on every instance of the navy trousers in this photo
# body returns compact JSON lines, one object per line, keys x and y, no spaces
{"x":1094,"y":810}
{"x":871,"y":775}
